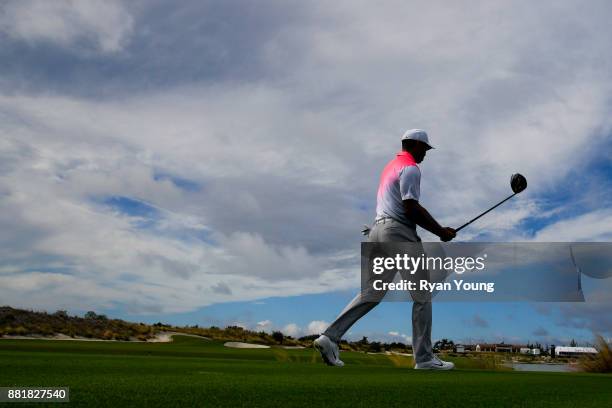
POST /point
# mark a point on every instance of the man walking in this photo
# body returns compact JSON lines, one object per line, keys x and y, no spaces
{"x":398,"y":212}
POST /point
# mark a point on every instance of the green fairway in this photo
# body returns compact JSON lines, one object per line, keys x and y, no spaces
{"x":195,"y":372}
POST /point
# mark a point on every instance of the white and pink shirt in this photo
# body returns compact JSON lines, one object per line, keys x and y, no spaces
{"x":400,"y":180}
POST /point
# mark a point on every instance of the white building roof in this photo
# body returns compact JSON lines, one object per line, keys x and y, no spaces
{"x":567,"y":349}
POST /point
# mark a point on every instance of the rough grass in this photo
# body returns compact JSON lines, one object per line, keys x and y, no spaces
{"x":480,"y":361}
{"x":192,"y":372}
{"x":600,"y":362}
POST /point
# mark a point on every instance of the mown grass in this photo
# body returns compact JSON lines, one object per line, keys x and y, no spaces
{"x":197,"y":373}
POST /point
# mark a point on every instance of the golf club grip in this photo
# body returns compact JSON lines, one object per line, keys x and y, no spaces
{"x":490,"y":209}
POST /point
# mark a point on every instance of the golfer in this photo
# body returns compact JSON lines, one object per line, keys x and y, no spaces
{"x":398,"y":212}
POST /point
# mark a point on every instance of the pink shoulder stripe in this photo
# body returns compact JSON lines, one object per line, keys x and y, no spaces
{"x":392,"y":170}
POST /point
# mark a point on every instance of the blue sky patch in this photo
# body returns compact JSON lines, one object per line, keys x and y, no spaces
{"x":180,"y":182}
{"x":131,"y":207}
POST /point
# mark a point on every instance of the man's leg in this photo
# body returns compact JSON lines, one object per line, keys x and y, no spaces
{"x":328,"y":342}
{"x":421,"y":309}
{"x":361,"y":304}
{"x":421,"y":331}
{"x":354,"y":311}
{"x":421,"y":325}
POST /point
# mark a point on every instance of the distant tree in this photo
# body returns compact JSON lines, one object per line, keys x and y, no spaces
{"x":310,"y":337}
{"x":375,"y":347}
{"x":363,"y":341}
{"x":573,"y":343}
{"x":91,"y":315}
{"x":278,"y":337}
{"x":396,"y":345}
{"x":61,"y":314}
{"x":94,"y":316}
{"x":444,"y":344}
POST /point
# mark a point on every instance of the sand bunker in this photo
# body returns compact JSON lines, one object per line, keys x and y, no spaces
{"x":237,"y":344}
{"x":165,"y":337}
{"x":161,"y":337}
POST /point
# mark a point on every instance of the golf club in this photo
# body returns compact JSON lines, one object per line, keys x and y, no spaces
{"x":518,"y":183}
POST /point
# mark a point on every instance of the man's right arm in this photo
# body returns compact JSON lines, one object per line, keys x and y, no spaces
{"x":420,"y":216}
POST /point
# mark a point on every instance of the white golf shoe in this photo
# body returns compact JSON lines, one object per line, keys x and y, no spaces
{"x":435,"y":364}
{"x":329,"y":351}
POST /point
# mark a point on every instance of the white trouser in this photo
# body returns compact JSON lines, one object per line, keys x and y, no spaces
{"x":394,"y":231}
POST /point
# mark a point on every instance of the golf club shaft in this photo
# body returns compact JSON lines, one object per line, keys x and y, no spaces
{"x":490,"y":209}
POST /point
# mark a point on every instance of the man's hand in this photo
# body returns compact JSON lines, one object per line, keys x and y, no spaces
{"x":447,"y":233}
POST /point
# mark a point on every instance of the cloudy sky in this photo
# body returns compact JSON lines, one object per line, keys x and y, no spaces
{"x":212,"y":162}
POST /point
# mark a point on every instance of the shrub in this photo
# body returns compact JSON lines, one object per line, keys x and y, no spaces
{"x":108,"y":335}
{"x":7,"y":318}
{"x":45,"y":329}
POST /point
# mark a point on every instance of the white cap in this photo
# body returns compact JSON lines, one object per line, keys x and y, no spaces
{"x":417,"y":134}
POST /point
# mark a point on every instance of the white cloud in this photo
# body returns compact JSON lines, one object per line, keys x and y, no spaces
{"x":292,"y":330}
{"x":264,"y":325}
{"x":396,"y":336}
{"x":286,"y":160}
{"x":316,"y":327}
{"x":592,"y":226}
{"x":69,"y":23}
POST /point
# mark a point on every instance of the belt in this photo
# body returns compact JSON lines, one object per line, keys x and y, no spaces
{"x":382,"y":220}
{"x":389,"y":219}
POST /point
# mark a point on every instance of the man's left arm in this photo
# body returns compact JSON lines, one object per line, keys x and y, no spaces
{"x":410,"y":190}
{"x":421,"y":217}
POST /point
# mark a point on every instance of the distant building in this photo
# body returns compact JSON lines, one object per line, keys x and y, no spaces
{"x":568,"y":351}
{"x":501,"y":347}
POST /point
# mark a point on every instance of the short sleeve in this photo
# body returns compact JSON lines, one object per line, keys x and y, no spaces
{"x":410,"y":183}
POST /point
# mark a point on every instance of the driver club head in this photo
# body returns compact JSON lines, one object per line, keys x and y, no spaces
{"x":518,"y":183}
